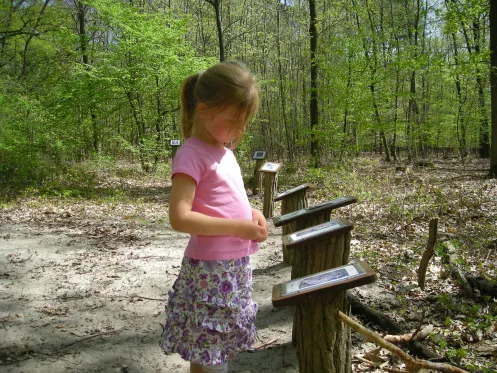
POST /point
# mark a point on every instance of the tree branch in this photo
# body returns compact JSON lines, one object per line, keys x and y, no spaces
{"x":412,"y":364}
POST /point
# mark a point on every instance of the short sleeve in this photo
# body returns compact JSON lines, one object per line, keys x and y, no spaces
{"x":188,"y":161}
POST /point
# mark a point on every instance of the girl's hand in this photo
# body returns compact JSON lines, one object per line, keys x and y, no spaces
{"x":249,"y":230}
{"x":261,"y":221}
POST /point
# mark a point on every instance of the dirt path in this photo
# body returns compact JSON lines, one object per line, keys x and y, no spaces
{"x":83,"y":282}
{"x":71,"y":304}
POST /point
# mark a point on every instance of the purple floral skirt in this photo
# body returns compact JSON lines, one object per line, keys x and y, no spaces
{"x":210,"y":315}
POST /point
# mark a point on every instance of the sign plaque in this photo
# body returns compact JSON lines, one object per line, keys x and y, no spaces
{"x":259,"y":154}
{"x":270,"y":167}
{"x":329,"y":281}
{"x":174,"y":142}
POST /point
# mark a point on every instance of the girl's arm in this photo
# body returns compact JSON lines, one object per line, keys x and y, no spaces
{"x":183,"y":219}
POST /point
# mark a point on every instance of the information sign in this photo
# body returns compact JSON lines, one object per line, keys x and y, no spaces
{"x":259,"y":154}
{"x":326,"y":282}
{"x":270,"y":167}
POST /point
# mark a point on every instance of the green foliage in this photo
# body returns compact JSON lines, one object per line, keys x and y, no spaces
{"x":55,"y":110}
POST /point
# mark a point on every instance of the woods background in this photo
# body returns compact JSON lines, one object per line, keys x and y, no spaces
{"x":99,"y":79}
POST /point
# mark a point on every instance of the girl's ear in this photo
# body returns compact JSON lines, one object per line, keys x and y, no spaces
{"x":201,"y":108}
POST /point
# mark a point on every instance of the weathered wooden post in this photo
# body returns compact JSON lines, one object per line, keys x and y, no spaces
{"x":258,"y":156}
{"x":323,"y":342}
{"x":291,"y":200}
{"x":309,"y":217}
{"x":270,"y":170}
{"x":174,"y":147}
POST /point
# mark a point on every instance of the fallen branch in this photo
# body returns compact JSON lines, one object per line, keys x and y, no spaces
{"x":412,"y":364}
{"x":485,"y":286}
{"x":389,"y":326}
{"x":429,"y":251}
{"x":455,"y":271}
{"x":406,"y":338}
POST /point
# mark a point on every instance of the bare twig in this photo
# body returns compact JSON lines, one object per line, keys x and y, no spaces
{"x":376,"y":365}
{"x":420,"y":324}
{"x":87,"y":338}
{"x":139,"y":296}
{"x":429,"y":251}
{"x":412,"y":364}
{"x":267,"y":344}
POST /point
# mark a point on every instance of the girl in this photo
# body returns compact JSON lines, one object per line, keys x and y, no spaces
{"x":210,"y":313}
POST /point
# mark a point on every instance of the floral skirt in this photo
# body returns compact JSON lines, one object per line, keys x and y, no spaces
{"x":210,"y":315}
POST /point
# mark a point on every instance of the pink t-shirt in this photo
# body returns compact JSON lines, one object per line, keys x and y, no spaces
{"x":220,"y":193}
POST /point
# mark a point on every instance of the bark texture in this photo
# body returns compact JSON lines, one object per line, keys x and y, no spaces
{"x":323,"y":342}
{"x":270,"y":190}
{"x":295,"y":202}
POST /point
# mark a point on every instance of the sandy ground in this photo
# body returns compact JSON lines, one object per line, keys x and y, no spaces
{"x":83,"y":283}
{"x":71,"y":304}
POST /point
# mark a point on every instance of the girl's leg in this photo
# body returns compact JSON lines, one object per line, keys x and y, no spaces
{"x":196,"y":368}
{"x":221,"y":368}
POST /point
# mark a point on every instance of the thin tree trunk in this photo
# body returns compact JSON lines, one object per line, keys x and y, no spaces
{"x":314,"y":118}
{"x":484,"y":145}
{"x":84,"y":44}
{"x":493,"y":85}
{"x":216,"y":4}
{"x":282,"y":90}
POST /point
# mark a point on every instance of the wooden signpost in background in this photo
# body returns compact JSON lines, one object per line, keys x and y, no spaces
{"x":270,"y":170}
{"x":258,"y":156}
{"x":308,"y":217}
{"x":291,"y":200}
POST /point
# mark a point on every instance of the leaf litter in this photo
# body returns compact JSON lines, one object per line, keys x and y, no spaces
{"x":83,"y":281}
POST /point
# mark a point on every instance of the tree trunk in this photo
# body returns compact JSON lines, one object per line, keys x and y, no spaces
{"x":460,"y":115}
{"x":282,"y":90}
{"x":216,"y":4}
{"x":484,"y":148}
{"x":313,"y":107}
{"x":493,"y":85}
{"x":86,"y":62}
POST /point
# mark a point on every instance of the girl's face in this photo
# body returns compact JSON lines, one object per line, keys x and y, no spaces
{"x":222,"y":126}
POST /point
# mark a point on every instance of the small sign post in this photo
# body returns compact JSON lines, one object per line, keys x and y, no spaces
{"x":291,"y":200}
{"x":309,"y":217}
{"x":258,"y":156}
{"x":321,"y":339}
{"x":174,"y":147}
{"x":270,"y":170}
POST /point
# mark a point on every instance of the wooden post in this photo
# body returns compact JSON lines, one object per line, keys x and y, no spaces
{"x":291,"y":200}
{"x":258,"y":156}
{"x":309,"y":217}
{"x":323,"y":342}
{"x":270,"y":170}
{"x":174,"y":147}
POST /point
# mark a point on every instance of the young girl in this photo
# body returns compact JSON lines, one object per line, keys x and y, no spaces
{"x":210,"y":313}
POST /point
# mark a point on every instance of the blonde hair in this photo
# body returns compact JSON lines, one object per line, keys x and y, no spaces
{"x":224,"y":84}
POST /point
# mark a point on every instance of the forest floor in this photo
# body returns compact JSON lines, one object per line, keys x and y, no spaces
{"x":83,"y":281}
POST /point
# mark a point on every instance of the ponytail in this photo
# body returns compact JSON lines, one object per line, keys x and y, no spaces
{"x":187,"y":107}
